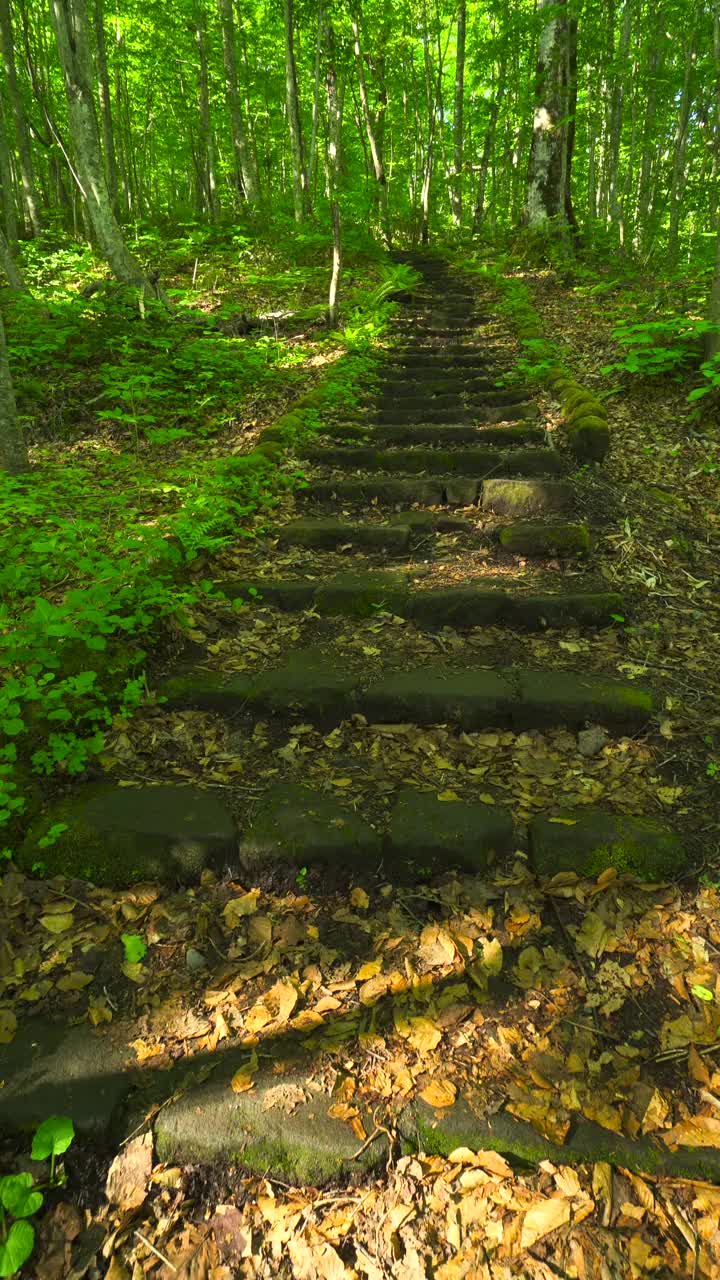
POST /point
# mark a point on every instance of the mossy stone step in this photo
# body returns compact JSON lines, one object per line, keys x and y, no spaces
{"x":470,"y":699}
{"x":361,"y":595}
{"x":431,"y":383}
{"x":482,"y":462}
{"x":411,"y":402}
{"x":432,"y":1132}
{"x":302,"y":827}
{"x":590,"y":843}
{"x":519,"y":412}
{"x":380,"y":489}
{"x":443,"y":359}
{"x":526,"y":497}
{"x":326,"y":535}
{"x":119,"y":835}
{"x":436,"y":433}
{"x":430,"y":833}
{"x":282,"y":1128}
{"x":535,"y":538}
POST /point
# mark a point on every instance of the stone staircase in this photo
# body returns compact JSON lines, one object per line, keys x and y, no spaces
{"x":459,"y":514}
{"x":442,"y":449}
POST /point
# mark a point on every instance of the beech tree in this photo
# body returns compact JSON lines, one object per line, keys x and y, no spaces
{"x":549,"y":163}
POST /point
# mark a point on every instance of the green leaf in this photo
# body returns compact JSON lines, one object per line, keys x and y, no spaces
{"x":18,"y":1195}
{"x":53,"y":1137}
{"x":17,"y":1248}
{"x":135,"y":948}
{"x":702,"y":993}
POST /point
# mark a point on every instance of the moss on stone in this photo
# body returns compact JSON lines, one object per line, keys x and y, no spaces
{"x":595,"y":841}
{"x":576,"y":398}
{"x":536,"y":539}
{"x":587,"y":409}
{"x":589,"y":439}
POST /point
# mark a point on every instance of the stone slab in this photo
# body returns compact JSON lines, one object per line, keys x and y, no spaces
{"x":422,"y":434}
{"x":326,"y":535}
{"x":375,"y":489}
{"x":472,"y":699}
{"x":425,"y":830}
{"x":525,"y":497}
{"x":540,"y":538}
{"x":590,"y":841}
{"x":559,"y":697}
{"x":297,"y":825}
{"x":360,"y":595}
{"x":282,"y":1128}
{"x":52,"y":1070}
{"x":122,"y":835}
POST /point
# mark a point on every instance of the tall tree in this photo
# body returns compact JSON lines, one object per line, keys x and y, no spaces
{"x":375,"y":150}
{"x":70,"y":21}
{"x":333,"y":169}
{"x":22,"y":133}
{"x":246,"y":175}
{"x":547,"y":170}
{"x":456,"y":186}
{"x":108,"y":132}
{"x":301,"y":194}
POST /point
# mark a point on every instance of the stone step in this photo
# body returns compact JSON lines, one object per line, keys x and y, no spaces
{"x":409,"y":401}
{"x":482,"y":462}
{"x":485,"y":411}
{"x":327,"y":535}
{"x":311,"y":684}
{"x":420,"y":384}
{"x":526,"y":497}
{"x":444,"y":358}
{"x":438,"y":433}
{"x":361,"y":595}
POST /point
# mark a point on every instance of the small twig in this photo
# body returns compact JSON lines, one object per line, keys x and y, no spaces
{"x":157,"y":1252}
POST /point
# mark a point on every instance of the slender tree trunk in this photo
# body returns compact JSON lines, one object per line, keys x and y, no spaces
{"x":479,"y":212}
{"x":313,"y":160}
{"x":246,"y":175}
{"x":22,"y":135}
{"x":300,"y":178}
{"x":680,"y":151}
{"x":644,"y":196}
{"x":546,"y":186}
{"x":207,"y":143}
{"x":7,"y":186}
{"x":333,"y":172}
{"x":375,"y":151}
{"x":108,"y":135}
{"x":570,"y":112}
{"x":456,"y":187}
{"x":617,"y":103}
{"x":592,"y":149}
{"x":13,"y":453}
{"x":70,"y":21}
{"x":9,"y":266}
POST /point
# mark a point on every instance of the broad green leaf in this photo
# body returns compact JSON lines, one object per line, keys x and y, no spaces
{"x":53,"y":1137}
{"x":17,"y":1248}
{"x":18,"y":1195}
{"x":135,"y":948}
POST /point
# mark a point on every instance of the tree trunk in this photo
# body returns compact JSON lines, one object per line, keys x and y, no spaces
{"x":547,"y":172}
{"x":333,"y":172}
{"x":479,"y":213}
{"x":246,"y":175}
{"x":70,"y":21}
{"x":313,"y":160}
{"x":207,"y":143}
{"x":375,"y":152}
{"x":571,"y":110}
{"x":456,"y":186}
{"x":27,"y":176}
{"x":617,"y":103}
{"x":7,"y":186}
{"x":9,"y":266}
{"x":13,"y":453}
{"x":108,"y":135}
{"x":300,"y":178}
{"x":680,"y":150}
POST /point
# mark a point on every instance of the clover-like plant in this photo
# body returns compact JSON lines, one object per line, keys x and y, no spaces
{"x":21,"y":1196}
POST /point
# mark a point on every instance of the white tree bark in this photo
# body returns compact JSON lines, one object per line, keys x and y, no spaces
{"x":70,"y":21}
{"x":545,"y":195}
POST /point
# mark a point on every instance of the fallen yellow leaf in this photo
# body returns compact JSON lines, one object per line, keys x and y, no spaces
{"x":359,"y":899}
{"x":439,"y":1093}
{"x":57,"y":923}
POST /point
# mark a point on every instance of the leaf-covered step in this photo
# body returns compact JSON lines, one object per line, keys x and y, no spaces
{"x":490,"y":604}
{"x":326,"y":535}
{"x":423,"y":382}
{"x":443,"y":358}
{"x":483,"y":411}
{"x":310,"y":685}
{"x":511,"y":497}
{"x":482,"y":462}
{"x":437,"y":433}
{"x":591,"y":842}
{"x":411,"y":401}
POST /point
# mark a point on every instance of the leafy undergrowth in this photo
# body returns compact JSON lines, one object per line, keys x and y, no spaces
{"x":138,"y":424}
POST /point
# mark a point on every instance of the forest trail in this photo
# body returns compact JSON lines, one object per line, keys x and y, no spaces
{"x":424,"y":969}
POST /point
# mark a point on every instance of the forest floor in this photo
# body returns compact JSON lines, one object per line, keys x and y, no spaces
{"x":591,"y":998}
